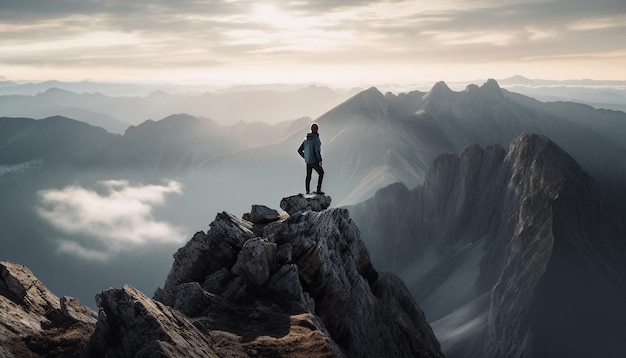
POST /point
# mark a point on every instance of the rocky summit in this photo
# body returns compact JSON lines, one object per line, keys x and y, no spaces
{"x":270,"y":285}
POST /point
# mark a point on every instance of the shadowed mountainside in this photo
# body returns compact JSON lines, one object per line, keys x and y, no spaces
{"x":515,"y":248}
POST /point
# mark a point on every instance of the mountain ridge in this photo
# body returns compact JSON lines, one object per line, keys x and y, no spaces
{"x":115,"y":114}
{"x":506,"y":224}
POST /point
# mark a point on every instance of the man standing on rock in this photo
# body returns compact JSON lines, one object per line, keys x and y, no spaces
{"x":311,"y":151}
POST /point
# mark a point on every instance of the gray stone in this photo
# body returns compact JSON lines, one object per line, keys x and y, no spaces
{"x":207,"y":253}
{"x":286,"y":282}
{"x":256,"y":258}
{"x":191,"y":299}
{"x":303,"y":202}
{"x":73,"y":309}
{"x":283,"y":254}
{"x":261,"y":214}
{"x":235,"y":289}
{"x":131,"y":324}
{"x":217,"y":281}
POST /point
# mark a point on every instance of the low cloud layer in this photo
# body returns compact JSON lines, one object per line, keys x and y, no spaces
{"x":114,"y":216}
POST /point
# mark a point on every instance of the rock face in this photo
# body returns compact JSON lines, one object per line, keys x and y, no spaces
{"x":293,"y":286}
{"x":34,"y":322}
{"x":302,"y":286}
{"x":132,"y":325}
{"x":511,"y":253}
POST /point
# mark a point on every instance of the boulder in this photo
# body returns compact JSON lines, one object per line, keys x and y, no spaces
{"x":75,"y":311}
{"x":305,"y":202}
{"x":256,"y":258}
{"x":261,"y":214}
{"x":133,"y":325}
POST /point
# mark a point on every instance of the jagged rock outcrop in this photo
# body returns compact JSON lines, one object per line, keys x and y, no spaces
{"x":34,"y":322}
{"x":300,"y":286}
{"x":515,"y":249}
{"x":261,"y":214}
{"x":133,"y":325}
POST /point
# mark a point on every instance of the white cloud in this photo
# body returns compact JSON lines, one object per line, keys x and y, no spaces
{"x":114,"y":218}
{"x":470,"y":37}
{"x":599,"y":23}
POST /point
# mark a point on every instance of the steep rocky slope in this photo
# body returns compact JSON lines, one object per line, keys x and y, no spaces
{"x":297,"y":285}
{"x":516,"y":248}
{"x":35,"y":322}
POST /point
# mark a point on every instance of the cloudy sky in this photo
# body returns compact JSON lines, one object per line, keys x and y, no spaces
{"x":332,"y":41}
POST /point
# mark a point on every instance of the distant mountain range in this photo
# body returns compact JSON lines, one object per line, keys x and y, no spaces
{"x":115,"y":106}
{"x":115,"y":113}
{"x":370,"y":141}
{"x":521,"y":80}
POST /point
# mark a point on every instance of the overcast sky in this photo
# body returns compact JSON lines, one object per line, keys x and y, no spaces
{"x":331,"y":41}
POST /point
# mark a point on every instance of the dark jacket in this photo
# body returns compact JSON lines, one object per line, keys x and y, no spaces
{"x":311,"y":149}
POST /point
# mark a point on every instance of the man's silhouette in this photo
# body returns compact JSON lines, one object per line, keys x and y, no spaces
{"x":311,"y":151}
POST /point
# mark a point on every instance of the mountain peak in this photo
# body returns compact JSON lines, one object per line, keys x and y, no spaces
{"x":55,"y":91}
{"x":294,"y":263}
{"x":533,"y":145}
{"x":489,"y":91}
{"x":370,"y":94}
{"x":491,"y":88}
{"x":536,"y":155}
{"x":368,"y":105}
{"x":441,"y":87}
{"x":440,"y":91}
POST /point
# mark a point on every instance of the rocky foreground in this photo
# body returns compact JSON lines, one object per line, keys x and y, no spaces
{"x":265,"y":285}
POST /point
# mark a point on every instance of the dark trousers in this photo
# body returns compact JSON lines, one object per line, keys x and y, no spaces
{"x":320,"y":176}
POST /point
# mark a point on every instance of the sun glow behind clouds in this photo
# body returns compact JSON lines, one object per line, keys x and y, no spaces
{"x":271,"y":15}
{"x":234,"y":40}
{"x":275,"y":30}
{"x":117,"y":217}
